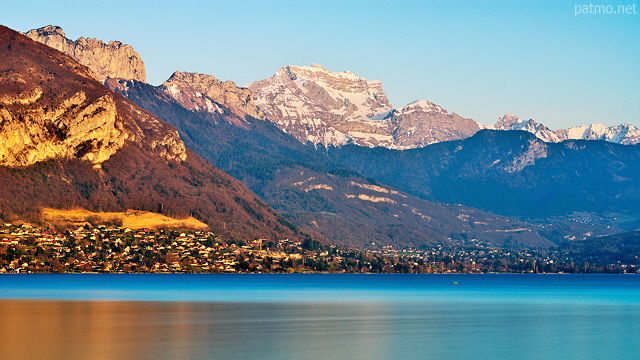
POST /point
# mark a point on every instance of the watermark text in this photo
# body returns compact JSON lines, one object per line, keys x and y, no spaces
{"x":609,"y":9}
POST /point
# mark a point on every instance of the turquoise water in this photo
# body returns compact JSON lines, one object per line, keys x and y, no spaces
{"x":314,"y":316}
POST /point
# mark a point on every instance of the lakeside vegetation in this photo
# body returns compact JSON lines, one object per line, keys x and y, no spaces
{"x":115,"y":249}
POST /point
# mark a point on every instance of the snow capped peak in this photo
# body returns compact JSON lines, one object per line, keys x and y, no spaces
{"x":512,"y":122}
{"x":317,"y":72}
{"x":335,"y":108}
{"x":623,"y":134}
{"x":422,"y":105}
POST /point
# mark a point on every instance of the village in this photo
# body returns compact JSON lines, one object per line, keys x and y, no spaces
{"x":113,"y":249}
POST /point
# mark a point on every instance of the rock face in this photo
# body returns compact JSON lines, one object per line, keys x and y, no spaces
{"x":200,"y":92}
{"x":51,"y":107}
{"x":110,"y":60}
{"x":336,"y":108}
{"x":625,"y":134}
{"x":422,"y":123}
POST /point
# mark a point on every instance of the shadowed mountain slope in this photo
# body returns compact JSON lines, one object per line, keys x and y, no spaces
{"x":309,"y":188}
{"x":511,"y":173}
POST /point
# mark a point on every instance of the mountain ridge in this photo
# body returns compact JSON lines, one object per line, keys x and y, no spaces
{"x":306,"y":180}
{"x":625,"y":134}
{"x":337,"y":108}
{"x":317,"y":193}
{"x":149,"y":169}
{"x":329,"y":108}
{"x":107,"y":60}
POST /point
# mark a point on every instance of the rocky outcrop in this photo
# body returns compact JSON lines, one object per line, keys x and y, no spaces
{"x":336,"y":108}
{"x":77,"y":128}
{"x":200,"y":92}
{"x":51,"y":107}
{"x":422,"y":123}
{"x":107,"y":60}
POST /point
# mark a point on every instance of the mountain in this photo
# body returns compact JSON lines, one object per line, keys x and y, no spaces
{"x":336,"y":108}
{"x":607,"y":250}
{"x":512,"y":173}
{"x":304,"y":184}
{"x":512,"y":122}
{"x":621,"y":134}
{"x":200,"y":92}
{"x":68,"y":141}
{"x":111,"y":60}
{"x":329,"y":108}
{"x":224,"y":124}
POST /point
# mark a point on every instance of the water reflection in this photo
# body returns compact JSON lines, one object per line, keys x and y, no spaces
{"x":183,"y":330}
{"x":39,"y":329}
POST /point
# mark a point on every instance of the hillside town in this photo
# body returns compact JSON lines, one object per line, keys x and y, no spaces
{"x":112,"y":249}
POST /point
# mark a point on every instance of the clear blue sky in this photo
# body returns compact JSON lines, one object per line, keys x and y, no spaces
{"x":480,"y":59}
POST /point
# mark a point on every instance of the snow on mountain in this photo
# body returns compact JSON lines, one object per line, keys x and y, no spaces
{"x":335,"y":108}
{"x":622,"y":134}
{"x":512,"y":122}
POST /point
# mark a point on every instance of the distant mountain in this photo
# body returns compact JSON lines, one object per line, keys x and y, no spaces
{"x":302,"y":183}
{"x":331,"y":108}
{"x":110,"y":60}
{"x":623,"y":247}
{"x":228,"y":126}
{"x":511,"y":173}
{"x":336,"y":108}
{"x":621,"y":134}
{"x":512,"y":122}
{"x":199,"y":92}
{"x":68,"y":141}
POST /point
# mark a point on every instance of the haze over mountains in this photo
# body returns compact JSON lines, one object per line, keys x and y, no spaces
{"x":328,"y":151}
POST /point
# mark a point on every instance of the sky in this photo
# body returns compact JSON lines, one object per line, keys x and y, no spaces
{"x":480,"y":59}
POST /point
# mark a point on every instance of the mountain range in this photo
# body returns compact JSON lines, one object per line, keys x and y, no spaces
{"x":68,"y":141}
{"x":514,"y":173}
{"x":305,"y":185}
{"x":339,"y":108}
{"x":329,"y":152}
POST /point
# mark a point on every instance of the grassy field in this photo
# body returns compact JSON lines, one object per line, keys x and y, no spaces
{"x":132,"y":219}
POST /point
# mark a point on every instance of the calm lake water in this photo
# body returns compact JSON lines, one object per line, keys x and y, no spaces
{"x":314,"y":316}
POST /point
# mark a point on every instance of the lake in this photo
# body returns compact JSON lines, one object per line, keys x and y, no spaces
{"x":314,"y":316}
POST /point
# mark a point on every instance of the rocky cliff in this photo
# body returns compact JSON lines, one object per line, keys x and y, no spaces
{"x":422,"y":123}
{"x":51,"y":107}
{"x":335,"y":108}
{"x":200,"y":92}
{"x":111,"y":60}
